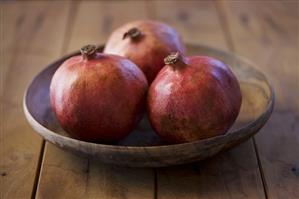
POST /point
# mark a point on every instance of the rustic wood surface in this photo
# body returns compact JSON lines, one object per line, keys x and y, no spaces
{"x":268,"y":34}
{"x":33,"y":33}
{"x":27,"y":30}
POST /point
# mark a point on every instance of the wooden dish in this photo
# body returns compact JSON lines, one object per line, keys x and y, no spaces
{"x":142,"y":148}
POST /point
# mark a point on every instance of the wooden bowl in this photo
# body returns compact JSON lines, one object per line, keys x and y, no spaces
{"x":142,"y":148}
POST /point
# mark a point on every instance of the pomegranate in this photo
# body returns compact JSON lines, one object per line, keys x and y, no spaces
{"x":98,"y":97}
{"x":193,"y":98}
{"x":146,"y":43}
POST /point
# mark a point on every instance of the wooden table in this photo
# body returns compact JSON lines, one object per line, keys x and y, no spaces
{"x":34,"y":33}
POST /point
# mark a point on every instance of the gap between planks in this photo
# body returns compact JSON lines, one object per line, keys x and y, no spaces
{"x":151,"y":13}
{"x":38,"y":169}
{"x":155,"y":184}
{"x":70,"y":22}
{"x":261,"y":169}
{"x":224,"y":25}
{"x":228,"y":37}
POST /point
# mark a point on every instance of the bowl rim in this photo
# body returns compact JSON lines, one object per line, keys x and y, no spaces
{"x":249,"y":125}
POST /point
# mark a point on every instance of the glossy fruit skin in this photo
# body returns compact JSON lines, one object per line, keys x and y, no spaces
{"x":98,"y":100}
{"x":195,"y":101}
{"x":156,"y":42}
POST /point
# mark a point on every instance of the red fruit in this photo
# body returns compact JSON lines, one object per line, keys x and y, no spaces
{"x":98,"y":97}
{"x":146,"y":43}
{"x":193,"y":98}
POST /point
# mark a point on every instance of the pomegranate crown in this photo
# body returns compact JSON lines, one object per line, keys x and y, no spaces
{"x":172,"y":58}
{"x":89,"y":51}
{"x":133,"y":33}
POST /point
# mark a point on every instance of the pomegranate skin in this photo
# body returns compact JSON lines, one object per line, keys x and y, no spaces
{"x":196,"y":98}
{"x":98,"y":100}
{"x":147,"y":51}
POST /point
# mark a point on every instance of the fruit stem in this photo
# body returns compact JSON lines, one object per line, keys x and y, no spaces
{"x":133,"y":33}
{"x":89,"y":51}
{"x":175,"y":59}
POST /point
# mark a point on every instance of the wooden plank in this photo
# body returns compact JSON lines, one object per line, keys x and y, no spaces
{"x":25,"y":52}
{"x":267,"y":32}
{"x":193,"y":20}
{"x":65,"y":175}
{"x":232,"y":174}
{"x":96,"y":26}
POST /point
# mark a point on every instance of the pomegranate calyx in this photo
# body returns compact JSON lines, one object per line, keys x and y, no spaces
{"x":133,"y":33}
{"x":174,"y":59}
{"x":88,"y":51}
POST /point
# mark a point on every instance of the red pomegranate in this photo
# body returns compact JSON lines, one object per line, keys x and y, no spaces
{"x":146,"y":43}
{"x":193,"y":98}
{"x":98,"y":97}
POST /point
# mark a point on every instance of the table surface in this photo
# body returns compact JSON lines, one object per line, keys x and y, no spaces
{"x":34,"y":33}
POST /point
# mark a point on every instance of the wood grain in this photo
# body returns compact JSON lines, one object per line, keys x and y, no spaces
{"x":233,"y":174}
{"x":65,"y":175}
{"x":25,"y":27}
{"x":102,"y":19}
{"x":267,"y":32}
{"x":197,"y":22}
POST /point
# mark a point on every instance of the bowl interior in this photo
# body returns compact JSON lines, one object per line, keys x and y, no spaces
{"x":256,"y":93}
